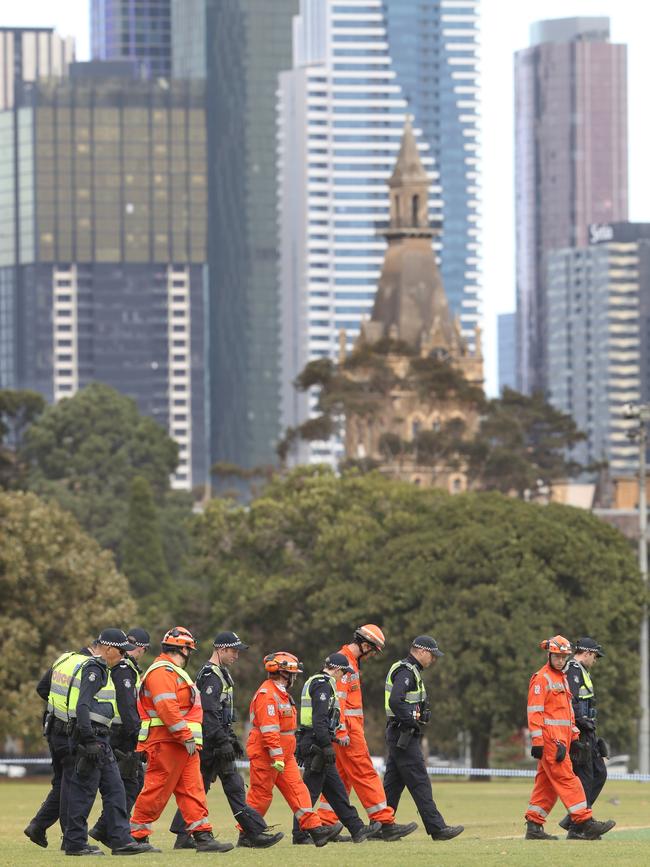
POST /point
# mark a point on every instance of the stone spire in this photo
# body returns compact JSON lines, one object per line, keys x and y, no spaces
{"x":411,"y":304}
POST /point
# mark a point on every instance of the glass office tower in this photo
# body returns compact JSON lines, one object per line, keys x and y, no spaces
{"x":136,"y":30}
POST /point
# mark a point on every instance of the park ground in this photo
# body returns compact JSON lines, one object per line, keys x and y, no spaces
{"x":492,"y":813}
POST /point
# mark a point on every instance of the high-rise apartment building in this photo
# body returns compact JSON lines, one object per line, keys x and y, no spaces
{"x":239,"y":47}
{"x":570,"y":161}
{"x":30,"y":53}
{"x":358,"y":69}
{"x":102,"y":271}
{"x":599,"y":338}
{"x":136,"y":30}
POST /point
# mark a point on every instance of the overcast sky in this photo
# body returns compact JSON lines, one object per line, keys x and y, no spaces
{"x":505,"y":29}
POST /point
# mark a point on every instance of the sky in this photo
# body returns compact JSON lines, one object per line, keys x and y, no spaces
{"x":504,"y":29}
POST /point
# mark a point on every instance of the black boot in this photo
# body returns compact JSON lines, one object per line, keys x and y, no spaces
{"x":396,"y":832}
{"x":205,"y":842}
{"x":96,"y":834}
{"x":262,"y":840}
{"x":135,"y":847}
{"x":184,"y":841}
{"x":324,"y":833}
{"x":566,"y":823}
{"x":537,"y":832}
{"x":36,"y":835}
{"x":592,"y":829}
{"x":302,"y":840}
{"x":363,"y":833}
{"x":87,"y":850}
{"x":448,"y":832}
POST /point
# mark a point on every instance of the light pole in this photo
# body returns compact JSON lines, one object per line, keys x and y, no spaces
{"x":641,"y":414}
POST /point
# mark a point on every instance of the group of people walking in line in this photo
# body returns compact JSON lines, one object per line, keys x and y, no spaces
{"x":107,"y":722}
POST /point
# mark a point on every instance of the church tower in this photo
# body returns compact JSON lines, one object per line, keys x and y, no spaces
{"x":412,"y":327}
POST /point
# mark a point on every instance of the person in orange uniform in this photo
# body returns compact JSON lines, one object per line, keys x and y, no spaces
{"x":353,"y":760}
{"x":552,"y":729}
{"x":171,"y":735}
{"x":272,"y":744}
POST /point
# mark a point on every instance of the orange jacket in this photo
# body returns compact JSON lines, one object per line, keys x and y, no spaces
{"x":273,"y":720}
{"x":349,"y":692}
{"x":165,"y":695}
{"x":550,"y":710}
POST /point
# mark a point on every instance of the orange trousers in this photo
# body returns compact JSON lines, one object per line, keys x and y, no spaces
{"x":289,"y":782}
{"x":357,"y":772}
{"x":555,"y":780}
{"x":170,"y":771}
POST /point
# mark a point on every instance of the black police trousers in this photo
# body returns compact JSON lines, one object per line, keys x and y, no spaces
{"x":105,"y":777}
{"x":55,"y":804}
{"x":132,"y":788}
{"x":234,"y":790}
{"x":406,"y":768}
{"x":328,"y":783}
{"x":592,"y":775}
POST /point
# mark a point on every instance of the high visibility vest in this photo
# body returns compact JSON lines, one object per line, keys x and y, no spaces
{"x":64,"y":691}
{"x":193,"y":715}
{"x":586,"y":691}
{"x":227,"y":698}
{"x":416,"y":697}
{"x":333,"y":708}
{"x":117,"y":720}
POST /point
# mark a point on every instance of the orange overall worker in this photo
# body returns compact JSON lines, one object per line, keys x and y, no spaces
{"x":171,"y":735}
{"x":272,"y":744}
{"x":552,"y":729}
{"x":353,"y":760}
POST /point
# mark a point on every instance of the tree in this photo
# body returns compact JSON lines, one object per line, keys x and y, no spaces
{"x":18,"y":409}
{"x":489,"y":576}
{"x":523,"y":444}
{"x":143,"y":559}
{"x":58,"y":590}
{"x":85,"y":451}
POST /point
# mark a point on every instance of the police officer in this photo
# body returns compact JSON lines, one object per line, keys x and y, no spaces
{"x":221,"y":747}
{"x":407,"y":710}
{"x":126,"y":725}
{"x":589,"y":751}
{"x":84,"y":693}
{"x":55,"y":731}
{"x":320,"y":715}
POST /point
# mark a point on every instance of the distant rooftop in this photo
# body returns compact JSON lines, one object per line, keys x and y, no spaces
{"x":560,"y":30}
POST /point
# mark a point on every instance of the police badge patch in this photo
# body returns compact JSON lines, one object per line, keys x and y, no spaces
{"x":92,"y":676}
{"x":322,"y":696}
{"x":209,"y":690}
{"x":127,"y":684}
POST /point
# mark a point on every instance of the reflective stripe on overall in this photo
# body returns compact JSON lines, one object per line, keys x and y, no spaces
{"x":193,"y":715}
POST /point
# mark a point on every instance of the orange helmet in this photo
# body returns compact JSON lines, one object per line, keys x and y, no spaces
{"x":282,"y":661}
{"x":557,"y":644}
{"x":180,"y":637}
{"x":372,"y":634}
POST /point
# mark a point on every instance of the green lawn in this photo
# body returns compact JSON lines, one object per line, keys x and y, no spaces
{"x":491,"y":812}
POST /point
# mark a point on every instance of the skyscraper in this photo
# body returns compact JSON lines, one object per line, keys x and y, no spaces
{"x":30,"y":53}
{"x":507,"y":350}
{"x":570,"y":161}
{"x":102,"y":272}
{"x":358,"y":69}
{"x":137,"y":30}
{"x":239,"y":47}
{"x":599,"y":338}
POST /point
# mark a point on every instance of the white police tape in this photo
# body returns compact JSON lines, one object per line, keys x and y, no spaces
{"x":432,"y":771}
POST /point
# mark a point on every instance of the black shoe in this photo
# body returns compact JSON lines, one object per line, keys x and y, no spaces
{"x":324,"y":833}
{"x":87,"y":850}
{"x":362,"y":834}
{"x":566,"y":823}
{"x":184,"y":841}
{"x":576,"y":834}
{"x":537,"y":832}
{"x":396,"y":832}
{"x":263,"y":840}
{"x":205,"y":842}
{"x":448,"y":832}
{"x":36,"y":835}
{"x":592,"y":829}
{"x":96,"y":834}
{"x":303,"y":840}
{"x":137,"y":847}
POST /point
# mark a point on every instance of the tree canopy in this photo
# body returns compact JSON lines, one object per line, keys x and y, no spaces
{"x":18,"y":409}
{"x":85,"y":451}
{"x":58,"y":590}
{"x":489,"y":576}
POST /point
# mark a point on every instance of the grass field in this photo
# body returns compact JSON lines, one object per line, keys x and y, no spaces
{"x":491,"y":812}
